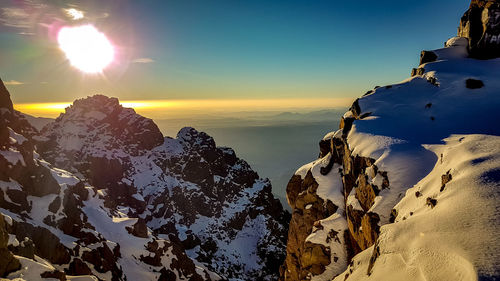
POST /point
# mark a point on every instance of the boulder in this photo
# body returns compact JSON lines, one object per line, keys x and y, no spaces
{"x":56,"y":274}
{"x":78,"y":267}
{"x":427,"y":56}
{"x":473,"y":83}
{"x":480,"y":24}
{"x":139,"y":229}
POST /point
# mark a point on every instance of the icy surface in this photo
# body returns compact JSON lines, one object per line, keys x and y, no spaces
{"x":455,"y":240}
{"x":406,"y":116}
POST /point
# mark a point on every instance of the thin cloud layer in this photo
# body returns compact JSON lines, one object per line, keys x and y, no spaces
{"x":13,"y":82}
{"x":143,"y":60}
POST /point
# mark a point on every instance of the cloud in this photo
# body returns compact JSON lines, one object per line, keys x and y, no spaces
{"x":28,"y":14}
{"x":74,"y":14}
{"x":13,"y":82}
{"x":143,"y":60}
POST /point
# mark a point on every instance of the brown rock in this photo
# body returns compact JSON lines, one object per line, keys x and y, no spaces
{"x":365,"y":193}
{"x":167,"y":275}
{"x":47,"y":245}
{"x":446,"y":178}
{"x":103,"y":260}
{"x":373,"y":258}
{"x":8,"y":263}
{"x":314,"y":259}
{"x":55,"y":205}
{"x":481,"y":25}
{"x":427,"y":56}
{"x":417,"y":71}
{"x":25,"y":249}
{"x":431,"y":202}
{"x":5,"y":101}
{"x":324,"y":147}
{"x":293,"y":188}
{"x":139,"y":229}
{"x":56,"y":274}
{"x":78,"y":267}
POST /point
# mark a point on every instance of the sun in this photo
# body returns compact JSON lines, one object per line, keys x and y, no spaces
{"x":86,"y":48}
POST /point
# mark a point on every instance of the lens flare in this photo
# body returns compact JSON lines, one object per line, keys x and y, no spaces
{"x":86,"y":48}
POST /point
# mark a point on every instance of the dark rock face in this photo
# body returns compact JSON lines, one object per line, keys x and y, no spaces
{"x":54,"y":274}
{"x":78,"y":267}
{"x":5,"y":101}
{"x":104,"y":260}
{"x":305,"y":258}
{"x":25,"y":249}
{"x":417,"y":71}
{"x":139,"y":229}
{"x":481,"y":25}
{"x":15,"y":140}
{"x":7,"y":261}
{"x":47,"y":244}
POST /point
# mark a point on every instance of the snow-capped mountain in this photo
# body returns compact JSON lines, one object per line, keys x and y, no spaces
{"x":101,"y":193}
{"x":407,"y":188}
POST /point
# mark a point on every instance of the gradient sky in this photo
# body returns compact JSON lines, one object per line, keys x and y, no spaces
{"x":224,"y":49}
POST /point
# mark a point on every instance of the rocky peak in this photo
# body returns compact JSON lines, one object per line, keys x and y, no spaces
{"x":99,"y":103}
{"x":99,"y":125}
{"x":5,"y":101}
{"x":194,"y":138}
{"x":481,"y":25}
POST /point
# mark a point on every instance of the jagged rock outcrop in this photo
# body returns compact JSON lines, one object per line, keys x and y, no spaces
{"x":100,"y":192}
{"x":5,"y":101}
{"x":481,"y":25}
{"x":8,"y":263}
{"x":360,"y":182}
{"x":391,"y":172}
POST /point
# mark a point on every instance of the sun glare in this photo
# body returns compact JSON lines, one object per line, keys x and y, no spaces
{"x":86,"y":48}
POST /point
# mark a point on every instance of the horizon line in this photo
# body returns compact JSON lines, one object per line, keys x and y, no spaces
{"x":196,"y":106}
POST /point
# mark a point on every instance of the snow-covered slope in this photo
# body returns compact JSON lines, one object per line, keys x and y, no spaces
{"x":413,"y":174}
{"x":443,"y":231}
{"x":99,"y":192}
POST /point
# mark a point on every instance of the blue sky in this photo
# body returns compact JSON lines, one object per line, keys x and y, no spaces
{"x":199,"y":49}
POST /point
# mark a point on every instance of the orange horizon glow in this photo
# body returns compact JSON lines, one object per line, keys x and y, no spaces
{"x":159,"y":108}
